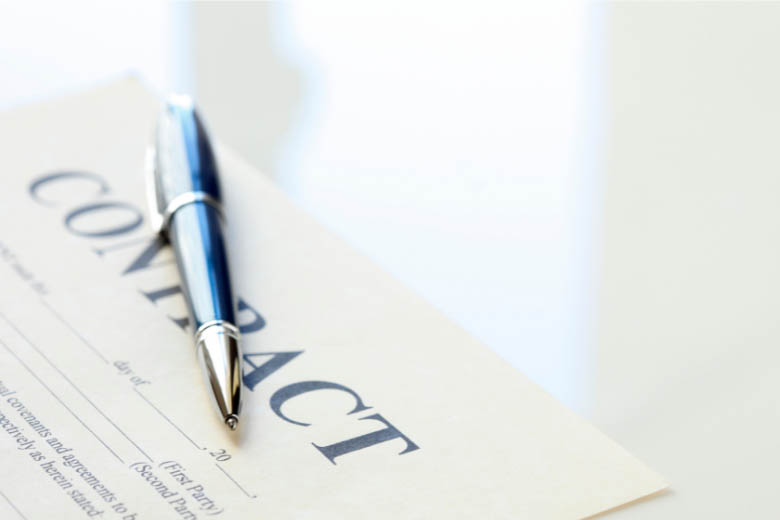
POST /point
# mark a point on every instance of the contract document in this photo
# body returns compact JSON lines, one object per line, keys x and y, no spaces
{"x":361,"y":400}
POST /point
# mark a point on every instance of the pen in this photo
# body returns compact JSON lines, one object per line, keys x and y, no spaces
{"x":186,"y":208}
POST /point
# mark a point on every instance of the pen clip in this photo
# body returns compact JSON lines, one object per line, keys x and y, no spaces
{"x":156,"y":218}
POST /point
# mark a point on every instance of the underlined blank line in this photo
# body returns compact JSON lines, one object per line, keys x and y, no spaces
{"x":13,"y":506}
{"x":75,"y":387}
{"x":167,"y":419}
{"x":32,"y":373}
{"x":234,"y":481}
{"x":73,"y":330}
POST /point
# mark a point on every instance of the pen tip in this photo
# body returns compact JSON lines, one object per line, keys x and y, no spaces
{"x":232,"y":422}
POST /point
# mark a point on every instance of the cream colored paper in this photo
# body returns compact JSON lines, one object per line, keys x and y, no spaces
{"x":89,"y":350}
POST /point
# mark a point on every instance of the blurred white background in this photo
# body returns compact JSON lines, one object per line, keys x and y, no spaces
{"x":451,"y":144}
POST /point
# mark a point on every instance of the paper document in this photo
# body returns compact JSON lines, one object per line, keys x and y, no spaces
{"x":361,"y":400}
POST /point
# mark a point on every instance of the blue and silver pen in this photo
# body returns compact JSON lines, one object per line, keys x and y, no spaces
{"x":186,"y":207}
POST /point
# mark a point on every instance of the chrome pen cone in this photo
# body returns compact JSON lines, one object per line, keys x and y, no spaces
{"x":220,"y":358}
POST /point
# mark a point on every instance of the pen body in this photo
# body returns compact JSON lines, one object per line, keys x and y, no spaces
{"x":187,"y":198}
{"x":186,"y":206}
{"x":196,"y":234}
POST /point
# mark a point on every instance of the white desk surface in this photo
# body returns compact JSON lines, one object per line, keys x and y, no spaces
{"x":688,"y":364}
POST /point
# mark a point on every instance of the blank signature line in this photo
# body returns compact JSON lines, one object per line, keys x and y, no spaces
{"x":32,"y":373}
{"x":12,"y":505}
{"x":233,"y":481}
{"x":74,"y":331}
{"x":55,"y":367}
{"x":167,"y":419}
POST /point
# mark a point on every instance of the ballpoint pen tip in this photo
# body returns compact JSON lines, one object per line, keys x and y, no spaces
{"x":232,"y":422}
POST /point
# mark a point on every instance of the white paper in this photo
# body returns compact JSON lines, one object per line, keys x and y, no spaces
{"x":362,"y":401}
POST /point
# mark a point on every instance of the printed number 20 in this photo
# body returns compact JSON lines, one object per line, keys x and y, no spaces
{"x":220,"y":455}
